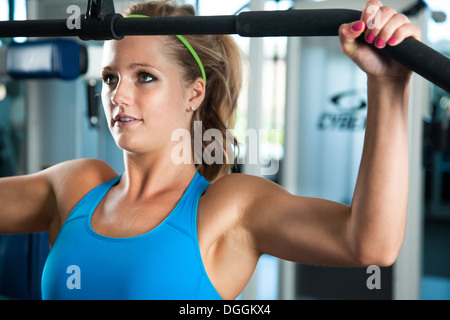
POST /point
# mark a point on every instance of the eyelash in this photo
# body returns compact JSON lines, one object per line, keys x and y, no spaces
{"x":108,"y":78}
{"x":146,"y":74}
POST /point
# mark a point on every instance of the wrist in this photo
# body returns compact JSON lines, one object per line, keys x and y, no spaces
{"x":389,"y":82}
{"x":389,"y":93}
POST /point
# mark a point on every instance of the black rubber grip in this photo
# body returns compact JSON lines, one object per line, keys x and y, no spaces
{"x":301,"y":23}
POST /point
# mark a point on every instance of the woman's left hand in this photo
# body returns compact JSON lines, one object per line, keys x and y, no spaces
{"x":382,"y":26}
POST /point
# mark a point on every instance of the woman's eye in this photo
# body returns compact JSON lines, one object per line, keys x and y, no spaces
{"x":109,"y":79}
{"x":146,"y":77}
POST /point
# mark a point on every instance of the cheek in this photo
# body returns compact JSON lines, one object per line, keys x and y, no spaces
{"x":106,"y":99}
{"x":164,"y":109}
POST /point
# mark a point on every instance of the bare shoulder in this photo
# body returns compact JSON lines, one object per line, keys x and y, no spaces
{"x":234,"y":195}
{"x":244,"y":186}
{"x":79,"y":173}
{"x":72,"y":180}
{"x":235,"y":201}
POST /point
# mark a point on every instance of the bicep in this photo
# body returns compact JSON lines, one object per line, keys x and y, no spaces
{"x":27,"y":203}
{"x":42,"y":201}
{"x":299,"y":229}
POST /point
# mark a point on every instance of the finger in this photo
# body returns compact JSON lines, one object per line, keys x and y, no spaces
{"x":405,"y":31}
{"x":377,"y":24}
{"x":386,"y":34}
{"x":352,"y":30}
{"x":348,"y":34}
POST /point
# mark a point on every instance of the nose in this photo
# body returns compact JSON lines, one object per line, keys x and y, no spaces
{"x":122,"y":94}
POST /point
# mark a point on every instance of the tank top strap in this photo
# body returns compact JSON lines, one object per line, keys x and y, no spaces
{"x":91,"y":200}
{"x":184,"y":216}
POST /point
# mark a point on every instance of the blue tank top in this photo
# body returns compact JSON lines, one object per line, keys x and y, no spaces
{"x":163,"y":264}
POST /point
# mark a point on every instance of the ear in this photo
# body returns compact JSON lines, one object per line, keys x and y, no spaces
{"x":196,"y":95}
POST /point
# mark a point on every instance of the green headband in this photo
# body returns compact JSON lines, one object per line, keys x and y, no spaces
{"x":185,"y":42}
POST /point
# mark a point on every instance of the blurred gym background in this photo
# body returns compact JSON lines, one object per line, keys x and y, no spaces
{"x":302,"y":88}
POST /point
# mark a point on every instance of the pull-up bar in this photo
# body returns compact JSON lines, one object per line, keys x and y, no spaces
{"x":102,"y":23}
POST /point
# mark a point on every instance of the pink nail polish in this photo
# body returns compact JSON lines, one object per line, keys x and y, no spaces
{"x":392,"y":41}
{"x":357,"y":26}
{"x":380,"y":43}
{"x":370,"y":38}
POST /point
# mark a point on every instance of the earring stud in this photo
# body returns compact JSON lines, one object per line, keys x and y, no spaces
{"x":193,"y":108}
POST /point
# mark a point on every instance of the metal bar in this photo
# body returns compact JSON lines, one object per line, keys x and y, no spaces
{"x":176,"y":25}
{"x":325,"y":22}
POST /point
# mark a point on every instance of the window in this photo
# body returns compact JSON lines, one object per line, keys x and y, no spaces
{"x":438,"y":29}
{"x":4,"y":10}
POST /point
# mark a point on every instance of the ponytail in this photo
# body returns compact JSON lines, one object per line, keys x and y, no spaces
{"x":222,"y":63}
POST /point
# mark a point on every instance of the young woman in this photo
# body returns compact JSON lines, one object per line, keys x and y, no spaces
{"x":164,"y":230}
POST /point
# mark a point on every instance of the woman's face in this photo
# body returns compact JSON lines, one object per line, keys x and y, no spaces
{"x":143,"y":95}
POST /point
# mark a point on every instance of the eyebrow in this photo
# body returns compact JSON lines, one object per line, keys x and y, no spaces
{"x":138,"y":65}
{"x":133,"y":66}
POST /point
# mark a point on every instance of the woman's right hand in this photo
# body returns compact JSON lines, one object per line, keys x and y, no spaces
{"x":382,"y":26}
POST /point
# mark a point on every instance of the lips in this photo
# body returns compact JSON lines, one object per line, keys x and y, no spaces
{"x":123,"y":120}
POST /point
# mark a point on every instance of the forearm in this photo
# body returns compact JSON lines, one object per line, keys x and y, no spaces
{"x":378,"y":211}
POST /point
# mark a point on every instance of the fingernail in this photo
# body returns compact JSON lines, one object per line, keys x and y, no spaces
{"x":357,"y":26}
{"x":392,"y":41}
{"x":370,"y":38}
{"x":380,"y":43}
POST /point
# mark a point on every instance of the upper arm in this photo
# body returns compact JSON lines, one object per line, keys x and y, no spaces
{"x":42,"y":201}
{"x":299,"y":229}
{"x":27,"y":203}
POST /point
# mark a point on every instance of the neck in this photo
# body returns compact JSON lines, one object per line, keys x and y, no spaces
{"x":146,"y":175}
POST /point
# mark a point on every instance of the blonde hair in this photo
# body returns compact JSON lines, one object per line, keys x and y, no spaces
{"x":222,"y":62}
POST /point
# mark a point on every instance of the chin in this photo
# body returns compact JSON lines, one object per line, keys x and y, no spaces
{"x":136,"y":146}
{"x":129,"y":145}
